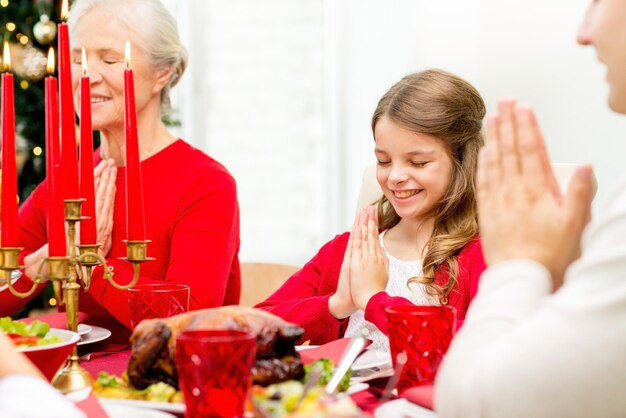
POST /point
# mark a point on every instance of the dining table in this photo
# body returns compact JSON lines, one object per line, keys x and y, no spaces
{"x":112,"y":356}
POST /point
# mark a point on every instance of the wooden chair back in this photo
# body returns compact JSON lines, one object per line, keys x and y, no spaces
{"x":259,"y":280}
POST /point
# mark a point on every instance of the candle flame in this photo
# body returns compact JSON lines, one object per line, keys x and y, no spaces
{"x":6,"y":57}
{"x":127,"y":53}
{"x":50,"y":64}
{"x":84,"y":62}
{"x":64,"y":10}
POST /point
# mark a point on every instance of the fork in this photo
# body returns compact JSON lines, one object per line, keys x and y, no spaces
{"x":311,"y":381}
{"x":401,"y":360}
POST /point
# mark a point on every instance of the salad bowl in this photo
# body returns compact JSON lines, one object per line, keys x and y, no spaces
{"x":50,"y":357}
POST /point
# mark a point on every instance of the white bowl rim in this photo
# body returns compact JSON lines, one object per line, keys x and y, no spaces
{"x":69,"y":337}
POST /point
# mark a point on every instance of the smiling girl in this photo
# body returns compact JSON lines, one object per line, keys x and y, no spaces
{"x":423,"y":231}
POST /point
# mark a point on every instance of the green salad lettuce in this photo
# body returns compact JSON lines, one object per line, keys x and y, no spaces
{"x":27,"y":334}
{"x":327,"y":369}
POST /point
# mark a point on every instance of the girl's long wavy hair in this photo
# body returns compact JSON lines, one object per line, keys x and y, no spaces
{"x":437,"y":103}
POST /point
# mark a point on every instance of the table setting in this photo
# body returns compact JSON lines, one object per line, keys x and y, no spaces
{"x":379,"y":383}
{"x":375,"y":376}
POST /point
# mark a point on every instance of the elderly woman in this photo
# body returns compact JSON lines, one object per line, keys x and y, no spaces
{"x":191,"y":209}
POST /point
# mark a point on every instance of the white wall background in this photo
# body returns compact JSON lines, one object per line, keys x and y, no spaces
{"x":282,"y":91}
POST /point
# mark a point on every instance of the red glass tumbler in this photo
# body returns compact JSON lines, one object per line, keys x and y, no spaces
{"x":159,"y":300}
{"x":424,"y":333}
{"x":214,"y":371}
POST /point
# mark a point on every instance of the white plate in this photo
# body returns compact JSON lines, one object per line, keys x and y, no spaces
{"x":175,"y":408}
{"x":356,"y":387}
{"x":15,"y":274}
{"x":96,"y":334}
{"x":84,"y":329}
{"x":126,"y":411}
{"x":370,"y":359}
{"x":402,"y":408}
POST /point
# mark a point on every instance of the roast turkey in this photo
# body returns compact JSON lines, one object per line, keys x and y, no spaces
{"x":154,"y":343}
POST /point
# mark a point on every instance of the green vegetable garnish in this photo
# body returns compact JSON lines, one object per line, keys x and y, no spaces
{"x":327,"y":368}
{"x":160,"y":392}
{"x":106,"y":380}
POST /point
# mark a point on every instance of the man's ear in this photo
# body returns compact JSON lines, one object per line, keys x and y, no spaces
{"x":163,"y":76}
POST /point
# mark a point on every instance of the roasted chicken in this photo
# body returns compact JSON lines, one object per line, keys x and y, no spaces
{"x":154,"y":344}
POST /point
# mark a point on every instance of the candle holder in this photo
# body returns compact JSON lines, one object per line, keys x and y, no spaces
{"x":63,"y":273}
{"x":9,"y":262}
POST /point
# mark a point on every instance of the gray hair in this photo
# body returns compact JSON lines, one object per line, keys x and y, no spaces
{"x":156,"y":31}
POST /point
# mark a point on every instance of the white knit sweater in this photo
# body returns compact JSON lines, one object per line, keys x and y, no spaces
{"x":399,"y":273}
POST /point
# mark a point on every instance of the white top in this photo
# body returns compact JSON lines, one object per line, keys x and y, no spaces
{"x":524,"y":352}
{"x":25,"y":396}
{"x":399,"y":273}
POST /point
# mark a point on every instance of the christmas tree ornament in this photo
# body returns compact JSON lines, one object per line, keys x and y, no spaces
{"x":30,"y":63}
{"x":45,"y":31}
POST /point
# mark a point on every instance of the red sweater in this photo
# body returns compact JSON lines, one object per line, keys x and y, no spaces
{"x":192,"y":218}
{"x":303,"y":299}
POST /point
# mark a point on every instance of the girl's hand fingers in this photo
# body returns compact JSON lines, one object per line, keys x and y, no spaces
{"x":363,"y":233}
{"x":357,"y":243}
{"x":372,"y":231}
{"x":347,"y":257}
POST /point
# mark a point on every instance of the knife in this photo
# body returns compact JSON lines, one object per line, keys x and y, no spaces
{"x":347,"y":358}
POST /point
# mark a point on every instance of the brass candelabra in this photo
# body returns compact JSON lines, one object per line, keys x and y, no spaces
{"x":64,"y":273}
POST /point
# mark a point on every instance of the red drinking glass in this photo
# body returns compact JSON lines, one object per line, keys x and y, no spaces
{"x":214,"y":371}
{"x":159,"y":300}
{"x":424,"y":333}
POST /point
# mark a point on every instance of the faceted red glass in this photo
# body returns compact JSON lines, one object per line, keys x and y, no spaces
{"x":214,"y":371}
{"x":424,"y":334}
{"x":157,"y":301}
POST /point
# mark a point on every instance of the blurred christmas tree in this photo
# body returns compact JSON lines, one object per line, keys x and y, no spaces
{"x":29,"y":27}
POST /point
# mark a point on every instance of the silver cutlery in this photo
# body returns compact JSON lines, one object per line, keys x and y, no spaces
{"x":401,"y":359}
{"x":347,"y":358}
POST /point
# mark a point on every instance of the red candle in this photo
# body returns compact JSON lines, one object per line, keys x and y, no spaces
{"x":69,"y":158}
{"x":9,"y":172}
{"x":134,"y":195}
{"x":55,"y":215}
{"x":88,"y":233}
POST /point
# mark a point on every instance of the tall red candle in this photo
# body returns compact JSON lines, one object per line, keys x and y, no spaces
{"x":9,"y":172}
{"x":55,"y":216}
{"x":134,"y":194}
{"x":88,"y":233}
{"x":69,"y":152}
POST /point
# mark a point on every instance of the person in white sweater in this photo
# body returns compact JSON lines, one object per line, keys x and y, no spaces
{"x":546,"y":334}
